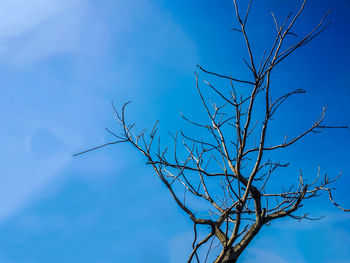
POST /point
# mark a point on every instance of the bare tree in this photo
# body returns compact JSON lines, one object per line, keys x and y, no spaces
{"x":223,"y":167}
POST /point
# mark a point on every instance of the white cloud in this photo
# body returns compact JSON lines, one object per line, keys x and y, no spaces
{"x":35,"y":29}
{"x":37,"y":144}
{"x":65,"y":109}
{"x":41,"y":127}
{"x":24,"y":175}
{"x":20,"y":16}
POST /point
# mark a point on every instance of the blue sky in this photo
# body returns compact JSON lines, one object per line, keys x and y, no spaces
{"x":62,"y":62}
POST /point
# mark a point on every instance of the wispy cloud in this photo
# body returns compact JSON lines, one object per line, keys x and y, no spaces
{"x":21,"y":16}
{"x":33,"y":30}
{"x":56,"y":64}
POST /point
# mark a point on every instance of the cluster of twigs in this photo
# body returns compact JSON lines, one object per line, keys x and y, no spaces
{"x":213,"y":169}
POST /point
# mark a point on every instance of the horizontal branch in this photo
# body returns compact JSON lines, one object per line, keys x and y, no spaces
{"x":225,"y":77}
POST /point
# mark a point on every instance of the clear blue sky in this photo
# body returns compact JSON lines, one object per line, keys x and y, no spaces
{"x":61,"y":64}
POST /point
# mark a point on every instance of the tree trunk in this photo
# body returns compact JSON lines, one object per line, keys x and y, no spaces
{"x":230,"y":257}
{"x":232,"y":254}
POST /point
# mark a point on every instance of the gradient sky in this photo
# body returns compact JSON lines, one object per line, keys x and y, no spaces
{"x":62,"y":62}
